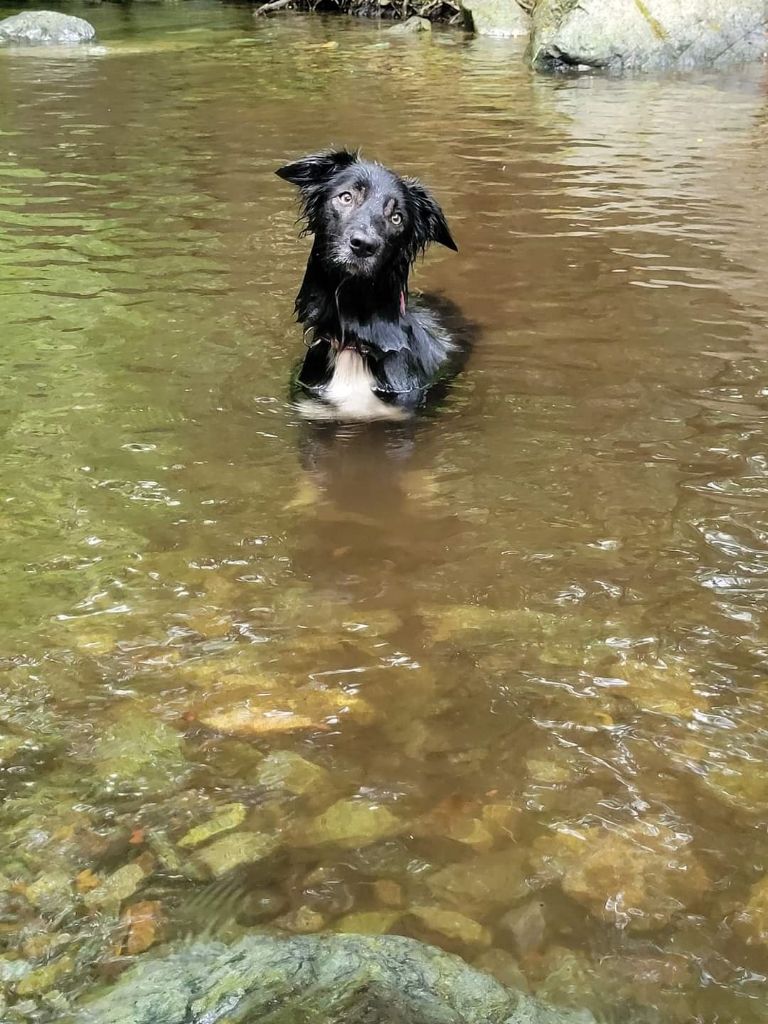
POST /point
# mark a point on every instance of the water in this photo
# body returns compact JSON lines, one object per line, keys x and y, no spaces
{"x":530,"y":626}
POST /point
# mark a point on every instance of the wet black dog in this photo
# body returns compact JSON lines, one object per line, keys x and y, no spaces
{"x":372,"y":353}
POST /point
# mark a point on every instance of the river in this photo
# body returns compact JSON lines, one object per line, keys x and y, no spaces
{"x":530,"y":626}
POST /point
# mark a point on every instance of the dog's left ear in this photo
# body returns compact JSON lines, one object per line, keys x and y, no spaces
{"x":316,"y":168}
{"x":429,"y":221}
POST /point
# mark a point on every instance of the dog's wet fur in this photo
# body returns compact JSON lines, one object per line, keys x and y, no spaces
{"x":373,"y":352}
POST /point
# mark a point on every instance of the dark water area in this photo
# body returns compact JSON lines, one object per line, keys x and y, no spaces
{"x":496,"y":678}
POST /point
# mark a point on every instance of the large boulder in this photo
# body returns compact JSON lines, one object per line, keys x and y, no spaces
{"x":647,"y":34}
{"x":45,"y":27}
{"x":336,"y":979}
{"x":502,"y":18}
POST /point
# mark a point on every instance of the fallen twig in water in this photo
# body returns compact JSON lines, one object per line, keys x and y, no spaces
{"x":273,"y":5}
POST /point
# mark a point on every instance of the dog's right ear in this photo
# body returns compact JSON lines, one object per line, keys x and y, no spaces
{"x":317,"y":168}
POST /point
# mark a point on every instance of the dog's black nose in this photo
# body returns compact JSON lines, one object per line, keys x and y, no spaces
{"x":362,"y":246}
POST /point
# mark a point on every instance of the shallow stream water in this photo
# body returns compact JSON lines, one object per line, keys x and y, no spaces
{"x":496,"y":679}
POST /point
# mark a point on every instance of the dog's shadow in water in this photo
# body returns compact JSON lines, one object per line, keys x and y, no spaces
{"x":374,"y":481}
{"x":375,"y":513}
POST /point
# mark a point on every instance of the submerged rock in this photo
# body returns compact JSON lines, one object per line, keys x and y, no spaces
{"x":138,"y":754}
{"x":118,"y":886}
{"x":249,"y":721}
{"x":526,"y":926}
{"x":739,"y":782}
{"x":227,"y":818}
{"x":504,"y":968}
{"x":44,"y":978}
{"x":566,"y":978}
{"x":641,"y":878}
{"x":351,"y":823}
{"x":327,"y":889}
{"x":236,"y":849}
{"x":45,"y":27}
{"x":449,"y":926}
{"x":558,"y":639}
{"x":410,"y":25}
{"x":483,"y":883}
{"x":461,"y":827}
{"x":369,"y":922}
{"x":286,"y":770}
{"x":646,"y":34}
{"x":752,"y":920}
{"x":659,"y":689}
{"x":497,"y":17}
{"x":337,"y":979}
{"x":51,"y":893}
{"x":302,"y":921}
{"x":270,"y":714}
{"x":144,"y":923}
{"x":388,"y":893}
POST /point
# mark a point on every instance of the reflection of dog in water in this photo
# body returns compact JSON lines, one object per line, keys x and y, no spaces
{"x":374,"y":509}
{"x":373,"y":354}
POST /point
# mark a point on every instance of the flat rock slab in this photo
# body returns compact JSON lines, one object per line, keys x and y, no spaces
{"x":336,"y":979}
{"x":645,"y":35}
{"x":36,"y":27}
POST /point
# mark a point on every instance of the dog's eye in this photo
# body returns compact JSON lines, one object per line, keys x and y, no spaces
{"x":345,"y":198}
{"x":396,"y":218}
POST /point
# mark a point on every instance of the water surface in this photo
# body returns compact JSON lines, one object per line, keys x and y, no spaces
{"x":531,"y":627}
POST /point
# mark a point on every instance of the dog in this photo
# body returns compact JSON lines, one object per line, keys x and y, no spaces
{"x":372,"y":352}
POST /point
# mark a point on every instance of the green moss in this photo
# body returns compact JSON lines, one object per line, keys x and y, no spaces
{"x":656,"y":27}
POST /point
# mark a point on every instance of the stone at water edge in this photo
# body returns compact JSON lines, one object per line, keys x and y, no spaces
{"x":336,"y":979}
{"x":45,"y":27}
{"x":501,"y":18}
{"x":645,"y":35}
{"x":411,"y":25}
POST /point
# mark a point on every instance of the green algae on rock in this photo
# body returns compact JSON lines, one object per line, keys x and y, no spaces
{"x":336,"y":979}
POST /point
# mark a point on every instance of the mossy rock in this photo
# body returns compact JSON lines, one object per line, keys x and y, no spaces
{"x":336,"y":979}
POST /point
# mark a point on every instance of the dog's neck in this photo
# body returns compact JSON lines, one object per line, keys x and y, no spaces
{"x":343,"y":307}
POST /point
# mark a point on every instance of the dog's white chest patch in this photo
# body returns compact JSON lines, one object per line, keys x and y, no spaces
{"x":350,"y":389}
{"x":351,"y":381}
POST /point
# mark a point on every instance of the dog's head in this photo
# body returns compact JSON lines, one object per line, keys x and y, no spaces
{"x":364,"y":215}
